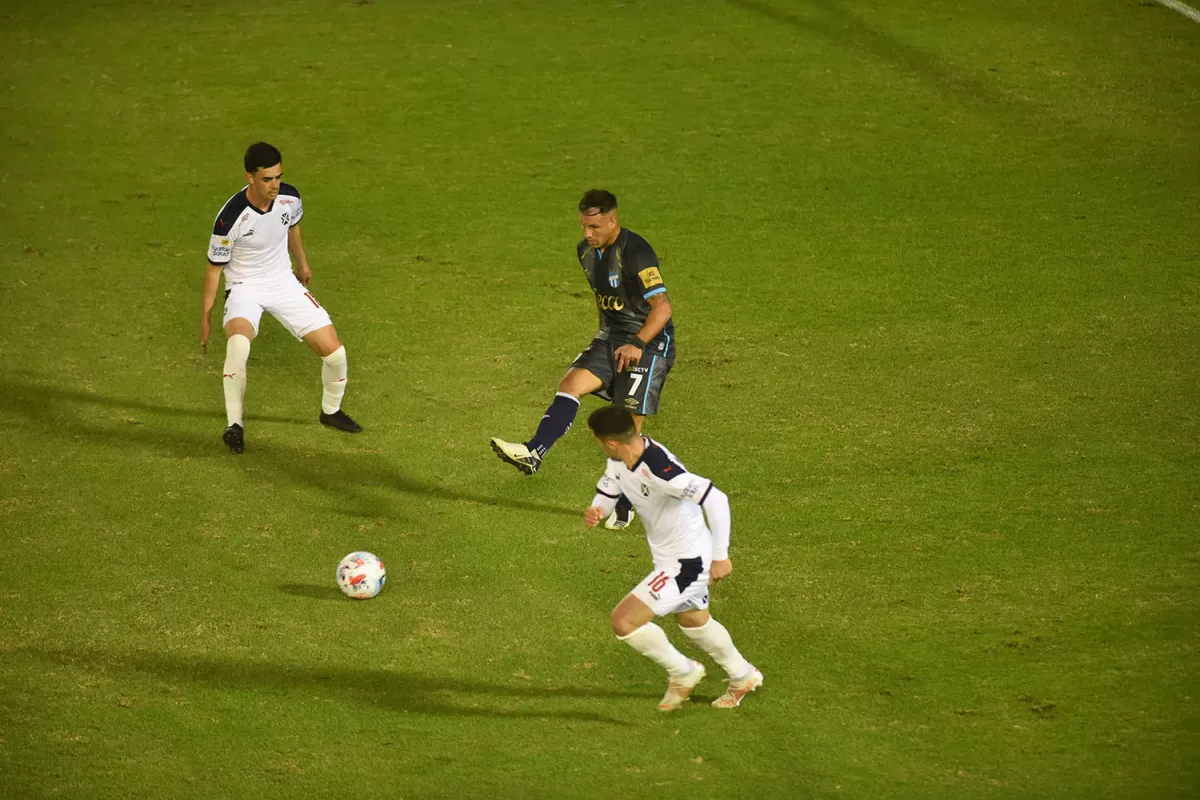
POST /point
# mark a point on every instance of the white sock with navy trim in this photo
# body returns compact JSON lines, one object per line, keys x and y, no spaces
{"x":652,"y":642}
{"x":714,"y":639}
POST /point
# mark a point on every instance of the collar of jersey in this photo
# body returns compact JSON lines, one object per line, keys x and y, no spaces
{"x":254,"y":208}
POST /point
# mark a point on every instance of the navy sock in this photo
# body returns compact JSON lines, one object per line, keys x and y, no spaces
{"x":623,"y":504}
{"x":555,"y":423}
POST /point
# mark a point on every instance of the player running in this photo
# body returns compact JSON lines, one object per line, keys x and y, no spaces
{"x":628,"y":361}
{"x":687,"y":555}
{"x":250,"y":243}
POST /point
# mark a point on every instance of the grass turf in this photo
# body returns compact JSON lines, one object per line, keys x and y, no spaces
{"x":935,"y":279}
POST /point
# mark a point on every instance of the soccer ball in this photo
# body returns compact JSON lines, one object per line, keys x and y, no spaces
{"x":361,"y":575}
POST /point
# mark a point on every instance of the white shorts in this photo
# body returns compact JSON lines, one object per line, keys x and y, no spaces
{"x":289,"y":302}
{"x":673,"y":589}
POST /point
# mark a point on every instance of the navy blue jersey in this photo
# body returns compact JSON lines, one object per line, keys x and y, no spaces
{"x":623,"y":278}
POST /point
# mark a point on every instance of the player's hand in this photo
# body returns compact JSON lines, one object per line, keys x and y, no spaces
{"x":628,"y":355}
{"x":719,"y":569}
{"x":204,"y":330}
{"x":304,"y":274}
{"x":592,"y":516}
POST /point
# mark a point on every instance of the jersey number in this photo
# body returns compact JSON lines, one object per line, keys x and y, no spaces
{"x":636,"y":377}
{"x":313,"y":299}
{"x":659,"y":581}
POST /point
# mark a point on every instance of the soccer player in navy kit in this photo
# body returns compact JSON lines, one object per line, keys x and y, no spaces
{"x":251,"y":239}
{"x":687,"y":555}
{"x":628,"y":361}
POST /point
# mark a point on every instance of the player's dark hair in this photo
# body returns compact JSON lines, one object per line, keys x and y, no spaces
{"x":261,"y":155}
{"x":612,"y":422}
{"x":598,"y":199}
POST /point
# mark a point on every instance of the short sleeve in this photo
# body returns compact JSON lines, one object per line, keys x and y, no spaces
{"x":610,"y":483}
{"x":643,"y":263}
{"x":220,"y":249}
{"x":293,"y":206}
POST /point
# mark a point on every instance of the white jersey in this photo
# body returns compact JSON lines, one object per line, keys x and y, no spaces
{"x":668,"y":498}
{"x":252,"y":245}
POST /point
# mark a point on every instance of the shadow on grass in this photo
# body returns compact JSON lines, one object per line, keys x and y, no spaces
{"x":848,"y":30}
{"x":392,"y":691}
{"x":363,"y":484}
{"x":33,"y":395}
{"x":312,"y":591}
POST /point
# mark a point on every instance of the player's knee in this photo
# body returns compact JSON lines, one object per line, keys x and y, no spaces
{"x":336,"y":358}
{"x":567,"y":386}
{"x":621,"y":624}
{"x":237,"y":349}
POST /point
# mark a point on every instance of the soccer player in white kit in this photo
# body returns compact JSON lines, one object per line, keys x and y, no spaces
{"x":251,"y":239}
{"x":687,"y":555}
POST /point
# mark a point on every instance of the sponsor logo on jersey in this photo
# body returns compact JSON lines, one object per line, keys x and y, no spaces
{"x":691,"y":490}
{"x":245,"y":217}
{"x":224,"y":243}
{"x":287,"y":201}
{"x":220,"y":252}
{"x":650,"y":277}
{"x":609,"y":302}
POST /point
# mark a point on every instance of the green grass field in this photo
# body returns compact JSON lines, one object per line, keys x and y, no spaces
{"x":936,"y":281}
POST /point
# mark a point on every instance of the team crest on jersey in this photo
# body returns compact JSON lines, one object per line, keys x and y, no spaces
{"x":285,"y":218}
{"x":614,"y":279}
{"x":645,"y":490}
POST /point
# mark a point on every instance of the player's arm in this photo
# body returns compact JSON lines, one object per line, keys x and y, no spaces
{"x":212,"y":280}
{"x":608,"y":490}
{"x":660,"y":315}
{"x":692,"y":488}
{"x":716,"y":510}
{"x":299,"y":259}
{"x":643,"y":266}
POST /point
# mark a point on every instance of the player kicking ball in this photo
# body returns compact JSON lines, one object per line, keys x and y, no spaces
{"x":251,"y":239}
{"x":687,"y":555}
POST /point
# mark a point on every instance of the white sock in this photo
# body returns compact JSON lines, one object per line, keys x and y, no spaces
{"x":237,"y":352}
{"x":652,"y":642}
{"x":333,"y":375}
{"x":713,"y":639}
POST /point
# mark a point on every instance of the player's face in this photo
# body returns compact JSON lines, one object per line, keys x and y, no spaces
{"x":265,"y":182}
{"x":598,"y":229}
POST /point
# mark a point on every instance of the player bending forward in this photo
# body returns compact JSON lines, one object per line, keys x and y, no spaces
{"x":250,"y":242}
{"x":687,"y":555}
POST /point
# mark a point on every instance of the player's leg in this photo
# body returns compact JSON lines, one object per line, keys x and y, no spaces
{"x":713,"y":638}
{"x":633,"y":623}
{"x":324,"y":342}
{"x":586,"y":375}
{"x":240,"y":319}
{"x":298,"y":311}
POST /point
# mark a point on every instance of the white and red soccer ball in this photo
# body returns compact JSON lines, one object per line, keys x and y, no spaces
{"x":361,"y":575}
